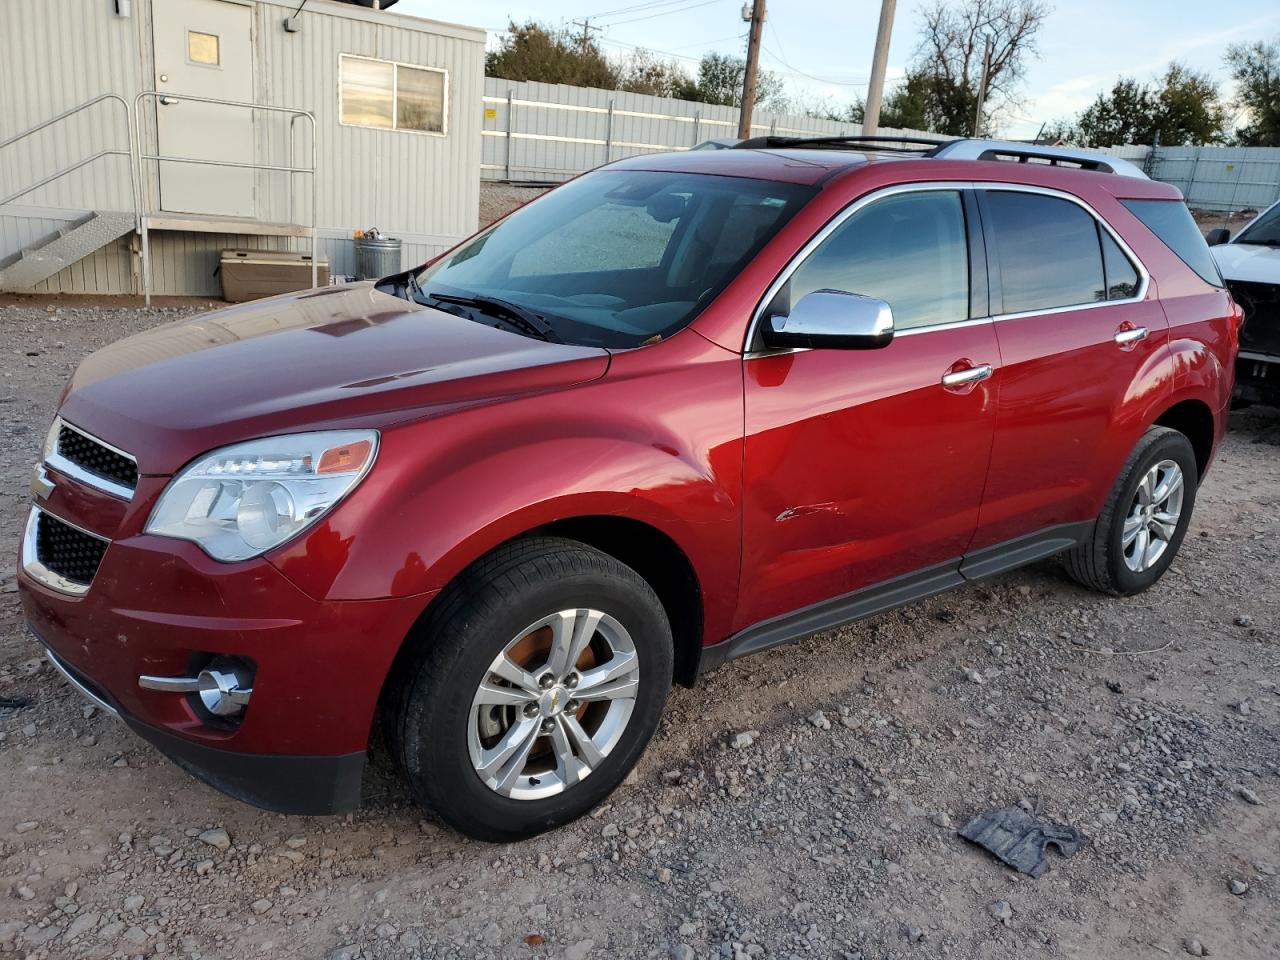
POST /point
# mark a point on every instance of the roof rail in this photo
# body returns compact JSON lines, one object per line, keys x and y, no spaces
{"x":877,"y":143}
{"x":1033,"y":153}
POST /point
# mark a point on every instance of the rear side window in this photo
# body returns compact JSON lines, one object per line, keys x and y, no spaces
{"x":1047,"y":249}
{"x":1171,"y":221}
{"x":1122,"y":276}
{"x":909,"y":250}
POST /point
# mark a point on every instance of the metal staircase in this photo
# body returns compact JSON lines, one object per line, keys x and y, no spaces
{"x":91,"y":231}
{"x":79,"y":238}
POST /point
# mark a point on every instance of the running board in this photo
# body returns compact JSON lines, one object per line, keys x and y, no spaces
{"x":891,"y":594}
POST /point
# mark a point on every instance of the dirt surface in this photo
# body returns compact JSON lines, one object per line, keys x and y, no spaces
{"x":801,"y":803}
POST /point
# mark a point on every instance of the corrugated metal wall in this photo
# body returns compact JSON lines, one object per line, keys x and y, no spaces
{"x":1213,"y":178}
{"x":420,"y":188}
{"x":548,"y":132}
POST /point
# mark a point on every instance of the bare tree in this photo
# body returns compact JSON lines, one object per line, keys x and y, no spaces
{"x":949,"y":58}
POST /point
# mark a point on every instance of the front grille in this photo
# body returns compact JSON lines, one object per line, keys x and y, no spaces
{"x":96,"y":458}
{"x":67,"y":551}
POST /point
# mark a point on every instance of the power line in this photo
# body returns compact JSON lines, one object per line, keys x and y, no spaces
{"x":791,"y":69}
{"x":634,"y":7}
{"x":662,"y":13}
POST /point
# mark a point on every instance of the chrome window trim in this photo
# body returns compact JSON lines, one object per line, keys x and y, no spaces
{"x":38,"y":571}
{"x":1144,"y":277}
{"x":77,"y":472}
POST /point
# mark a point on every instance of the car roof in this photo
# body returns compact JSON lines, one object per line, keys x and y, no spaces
{"x":818,"y":165}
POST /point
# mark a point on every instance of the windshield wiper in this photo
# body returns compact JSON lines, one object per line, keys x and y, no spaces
{"x":512,"y":313}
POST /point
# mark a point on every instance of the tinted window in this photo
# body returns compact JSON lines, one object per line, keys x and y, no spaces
{"x":1047,"y":250}
{"x":1170,"y":220}
{"x":619,"y":257}
{"x":1264,"y":230}
{"x":908,"y":250}
{"x":1122,"y":276}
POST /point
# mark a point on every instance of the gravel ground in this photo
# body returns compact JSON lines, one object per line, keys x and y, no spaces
{"x":801,"y":803}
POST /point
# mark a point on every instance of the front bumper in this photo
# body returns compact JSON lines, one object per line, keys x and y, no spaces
{"x":159,"y":606}
{"x":310,"y":785}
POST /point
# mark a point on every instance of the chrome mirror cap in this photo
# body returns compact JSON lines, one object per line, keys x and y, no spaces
{"x":832,"y":319}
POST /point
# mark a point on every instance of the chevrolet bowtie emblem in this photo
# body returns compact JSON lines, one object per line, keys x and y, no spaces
{"x":41,"y":485}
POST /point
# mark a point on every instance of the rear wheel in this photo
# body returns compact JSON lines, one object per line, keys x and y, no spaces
{"x":536,"y":684}
{"x":1144,"y":520}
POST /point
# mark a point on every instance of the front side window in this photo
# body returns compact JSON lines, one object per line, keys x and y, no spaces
{"x":618,"y":258}
{"x":908,"y":250}
{"x":1047,"y":249}
{"x":391,"y":96}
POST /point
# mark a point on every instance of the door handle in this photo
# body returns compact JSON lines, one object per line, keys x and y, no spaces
{"x":959,"y":378}
{"x":168,"y":101}
{"x":1131,"y":336}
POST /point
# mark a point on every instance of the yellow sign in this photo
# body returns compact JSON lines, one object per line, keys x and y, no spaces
{"x":491,"y":113}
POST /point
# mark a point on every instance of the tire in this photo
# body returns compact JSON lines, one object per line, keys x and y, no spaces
{"x":450,"y":744}
{"x":1104,"y":561}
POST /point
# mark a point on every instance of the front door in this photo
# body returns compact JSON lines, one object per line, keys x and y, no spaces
{"x":861,"y":465}
{"x":204,"y":48}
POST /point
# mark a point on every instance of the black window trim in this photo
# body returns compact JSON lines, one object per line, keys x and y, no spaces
{"x":990,"y":277}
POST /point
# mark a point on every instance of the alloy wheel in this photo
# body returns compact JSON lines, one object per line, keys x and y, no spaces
{"x":1152,"y":520}
{"x":553,"y":704}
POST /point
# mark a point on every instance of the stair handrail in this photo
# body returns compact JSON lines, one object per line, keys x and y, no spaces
{"x":140,"y":158}
{"x":106,"y":152}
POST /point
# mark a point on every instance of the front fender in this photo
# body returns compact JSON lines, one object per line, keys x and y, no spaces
{"x":663,"y":448}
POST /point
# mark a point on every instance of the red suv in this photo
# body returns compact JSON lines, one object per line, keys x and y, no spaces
{"x":680,"y":409}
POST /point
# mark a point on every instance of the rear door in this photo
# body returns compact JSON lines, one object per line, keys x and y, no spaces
{"x":204,"y":48}
{"x":861,"y":466}
{"x":1080,"y":336}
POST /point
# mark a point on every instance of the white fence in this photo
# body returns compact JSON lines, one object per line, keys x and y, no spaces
{"x":1213,"y":178}
{"x":550,"y":132}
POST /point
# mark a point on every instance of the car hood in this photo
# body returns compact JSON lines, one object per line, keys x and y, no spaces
{"x":339,"y":356}
{"x":1248,"y":262}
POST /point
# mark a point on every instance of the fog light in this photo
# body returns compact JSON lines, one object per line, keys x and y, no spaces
{"x":224,"y":687}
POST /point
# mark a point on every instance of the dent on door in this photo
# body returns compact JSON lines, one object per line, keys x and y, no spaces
{"x":861,"y":465}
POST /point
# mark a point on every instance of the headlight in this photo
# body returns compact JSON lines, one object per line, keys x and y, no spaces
{"x":241,"y":501}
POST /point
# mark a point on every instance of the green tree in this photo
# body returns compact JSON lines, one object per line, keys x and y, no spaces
{"x":535,"y":51}
{"x":1180,"y":107}
{"x":642,"y":72}
{"x":1255,"y":68}
{"x":720,"y":81}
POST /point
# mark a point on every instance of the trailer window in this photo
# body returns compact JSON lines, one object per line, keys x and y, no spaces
{"x":392,"y":96}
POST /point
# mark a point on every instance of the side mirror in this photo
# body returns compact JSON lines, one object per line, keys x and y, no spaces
{"x":1217,"y":236}
{"x":832,"y":319}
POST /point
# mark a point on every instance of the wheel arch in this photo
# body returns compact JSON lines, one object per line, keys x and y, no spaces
{"x":1194,"y":419}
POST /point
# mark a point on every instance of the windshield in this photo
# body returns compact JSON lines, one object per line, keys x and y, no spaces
{"x":1266,"y":229}
{"x":619,"y":258}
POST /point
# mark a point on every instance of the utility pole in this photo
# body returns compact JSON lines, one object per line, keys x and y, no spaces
{"x":879,"y":63}
{"x":756,"y":16}
{"x":982,"y":87}
{"x":586,"y":26}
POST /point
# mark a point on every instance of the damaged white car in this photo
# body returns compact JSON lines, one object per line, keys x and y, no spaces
{"x":1250,"y":264}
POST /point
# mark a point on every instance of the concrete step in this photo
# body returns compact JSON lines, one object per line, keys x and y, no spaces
{"x":60,"y":249}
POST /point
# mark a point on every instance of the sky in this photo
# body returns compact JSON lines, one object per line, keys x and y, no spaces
{"x":823,"y":49}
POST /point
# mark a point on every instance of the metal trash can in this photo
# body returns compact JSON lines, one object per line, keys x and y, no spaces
{"x":377,"y":256}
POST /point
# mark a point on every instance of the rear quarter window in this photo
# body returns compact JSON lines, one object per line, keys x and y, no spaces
{"x":1171,"y":221}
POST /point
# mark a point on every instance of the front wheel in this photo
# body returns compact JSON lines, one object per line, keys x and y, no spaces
{"x":1144,"y":519}
{"x":537,"y":681}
